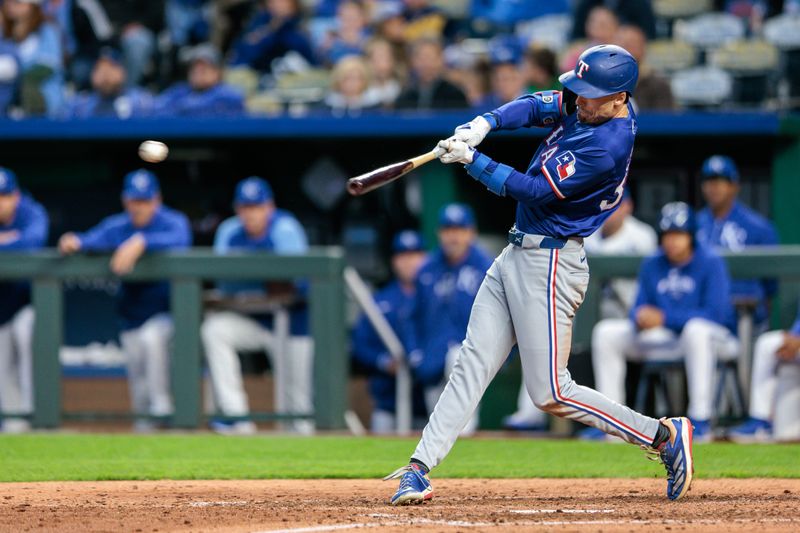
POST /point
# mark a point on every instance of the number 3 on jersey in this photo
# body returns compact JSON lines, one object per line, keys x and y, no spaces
{"x":605,"y":205}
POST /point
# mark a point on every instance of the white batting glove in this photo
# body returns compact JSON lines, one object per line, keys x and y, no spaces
{"x":472,"y":132}
{"x":456,"y":151}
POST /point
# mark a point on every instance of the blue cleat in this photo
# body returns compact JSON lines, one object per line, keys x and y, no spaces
{"x":752,"y":430}
{"x":592,"y":434}
{"x":415,"y":487}
{"x":676,"y":455}
{"x":702,"y":431}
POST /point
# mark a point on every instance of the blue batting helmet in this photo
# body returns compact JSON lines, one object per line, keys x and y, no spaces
{"x":602,"y":70}
{"x":719,"y":166}
{"x":677,"y":216}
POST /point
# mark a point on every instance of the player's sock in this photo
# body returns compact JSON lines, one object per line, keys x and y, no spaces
{"x":662,"y":436}
{"x":420,"y":465}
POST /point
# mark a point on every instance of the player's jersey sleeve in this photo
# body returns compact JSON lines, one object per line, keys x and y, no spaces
{"x":289,"y":236}
{"x":224,"y":234}
{"x":174,"y":234}
{"x":32,"y":233}
{"x":795,"y":329}
{"x":538,"y":109}
{"x":570,"y":171}
{"x":102,"y":237}
{"x":368,"y":349}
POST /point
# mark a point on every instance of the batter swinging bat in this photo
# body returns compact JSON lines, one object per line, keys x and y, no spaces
{"x":379,"y":177}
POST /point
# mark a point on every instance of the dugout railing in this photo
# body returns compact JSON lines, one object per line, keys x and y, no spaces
{"x":322,"y":267}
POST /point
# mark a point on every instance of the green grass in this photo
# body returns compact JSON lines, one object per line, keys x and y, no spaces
{"x":97,"y":457}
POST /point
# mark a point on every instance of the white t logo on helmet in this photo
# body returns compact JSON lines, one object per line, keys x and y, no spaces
{"x":582,"y":67}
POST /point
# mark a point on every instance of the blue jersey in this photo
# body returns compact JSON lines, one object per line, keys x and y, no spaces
{"x":697,"y":289}
{"x":131,"y":103}
{"x":168,"y":230}
{"x":577,"y":176}
{"x":795,"y":329}
{"x":369,"y":350}
{"x":740,"y":228}
{"x":181,"y":100}
{"x":442,"y":306}
{"x":285,"y":236}
{"x":28,"y":231}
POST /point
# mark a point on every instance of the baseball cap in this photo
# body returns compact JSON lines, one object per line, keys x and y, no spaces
{"x":252,"y":191}
{"x":407,"y":241}
{"x":505,"y":50}
{"x":677,"y":216}
{"x":456,"y":216}
{"x":205,"y":52}
{"x":8,"y":181}
{"x":140,"y":185}
{"x":110,"y":54}
{"x":720,"y":166}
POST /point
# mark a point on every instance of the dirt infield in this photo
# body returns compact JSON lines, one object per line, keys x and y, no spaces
{"x":336,"y":505}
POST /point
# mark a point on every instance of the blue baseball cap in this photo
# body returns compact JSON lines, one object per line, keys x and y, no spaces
{"x":505,"y":50}
{"x":456,"y":216}
{"x":140,"y":185}
{"x":407,"y":241}
{"x":8,"y":181}
{"x":719,"y":166}
{"x":677,"y":216}
{"x":252,"y":191}
{"x":111,"y":54}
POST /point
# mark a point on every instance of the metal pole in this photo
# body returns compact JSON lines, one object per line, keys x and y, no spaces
{"x":48,"y":304}
{"x":363,"y":296}
{"x":186,"y":304}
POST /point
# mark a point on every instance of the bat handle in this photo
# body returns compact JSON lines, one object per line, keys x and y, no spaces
{"x":426,"y":158}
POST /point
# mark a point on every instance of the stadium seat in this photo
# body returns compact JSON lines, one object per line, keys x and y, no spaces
{"x":702,"y":87}
{"x":551,"y":31}
{"x":710,"y":30}
{"x":784,"y":32}
{"x":676,"y":9}
{"x":753,"y":65}
{"x":668,"y":55}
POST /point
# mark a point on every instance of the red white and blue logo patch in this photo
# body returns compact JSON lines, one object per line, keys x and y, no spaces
{"x":565,"y":165}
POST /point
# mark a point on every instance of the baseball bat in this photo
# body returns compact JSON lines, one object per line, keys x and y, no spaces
{"x":379,"y":177}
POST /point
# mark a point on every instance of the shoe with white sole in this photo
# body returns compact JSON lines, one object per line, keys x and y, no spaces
{"x":676,"y":455}
{"x":415,"y":487}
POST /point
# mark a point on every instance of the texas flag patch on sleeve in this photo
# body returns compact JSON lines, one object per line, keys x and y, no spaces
{"x":565,"y":165}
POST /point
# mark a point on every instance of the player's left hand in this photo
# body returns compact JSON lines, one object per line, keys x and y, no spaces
{"x":455,"y":151}
{"x":128,"y":253}
{"x":649,"y":316}
{"x":788,"y":350}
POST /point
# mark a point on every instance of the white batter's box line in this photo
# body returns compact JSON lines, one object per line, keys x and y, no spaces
{"x":565,"y":511}
{"x":218,"y":504}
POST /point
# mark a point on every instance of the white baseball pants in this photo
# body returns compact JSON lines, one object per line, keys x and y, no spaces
{"x":146,"y":351}
{"x":529,"y":297}
{"x":227,"y":332}
{"x":765,"y":374}
{"x":701,"y":344}
{"x":16,"y":366}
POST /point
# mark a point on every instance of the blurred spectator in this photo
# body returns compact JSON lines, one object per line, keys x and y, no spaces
{"x":9,"y":75}
{"x":475,"y":81}
{"x":391,"y":25}
{"x":601,"y":25}
{"x":652,"y":91}
{"x":634,"y":12}
{"x":507,"y":80}
{"x":38,"y":48}
{"x":86,"y":29}
{"x":187,"y":21}
{"x":274,"y":31}
{"x":423,"y":21}
{"x":259,"y":226}
{"x":428,"y":88}
{"x":395,"y":301}
{"x":754,"y":12}
{"x":228,"y":20}
{"x":351,"y":32}
{"x":136,"y":24}
{"x":146,"y":225}
{"x":110,"y":96}
{"x":504,"y":14}
{"x":539,"y":69}
{"x":349,"y":94}
{"x":205,"y":94}
{"x":23,"y":227}
{"x":387,"y":72}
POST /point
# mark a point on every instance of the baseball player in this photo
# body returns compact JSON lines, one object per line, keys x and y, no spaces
{"x":772,"y":349}
{"x":621,"y":234}
{"x":258,"y":225}
{"x":534,"y":287}
{"x":395,"y":301}
{"x":145,"y":225}
{"x":682,"y":311}
{"x":23,"y":226}
{"x":727,"y":224}
{"x":446,"y":288}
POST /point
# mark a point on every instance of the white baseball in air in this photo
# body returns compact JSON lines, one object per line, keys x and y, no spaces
{"x":153,"y":151}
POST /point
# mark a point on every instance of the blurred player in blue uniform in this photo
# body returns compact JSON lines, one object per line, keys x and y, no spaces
{"x":24,"y":226}
{"x":533,"y":289}
{"x":727,"y":224}
{"x":682,"y":311}
{"x":258,"y":226}
{"x":773,"y":349}
{"x":396,"y":301}
{"x":446,"y":287}
{"x":146,"y":225}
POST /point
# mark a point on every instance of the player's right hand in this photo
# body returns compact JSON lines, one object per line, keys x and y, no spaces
{"x":69,"y":243}
{"x":455,"y":151}
{"x":473,"y":132}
